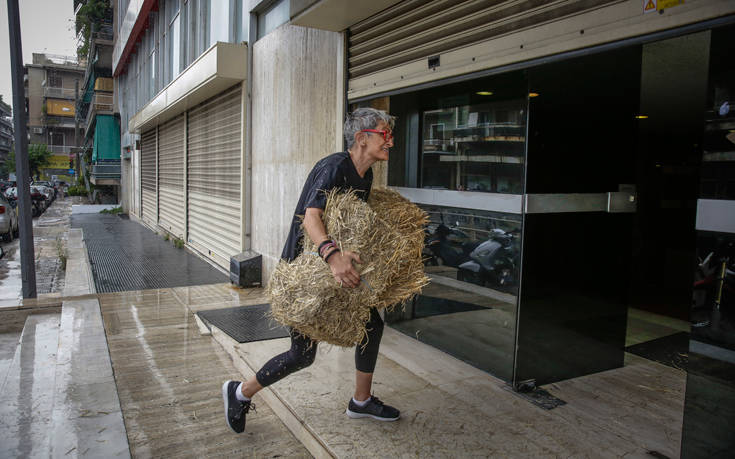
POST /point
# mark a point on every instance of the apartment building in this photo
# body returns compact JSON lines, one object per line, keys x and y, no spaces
{"x":590,"y":141}
{"x":50,"y":83}
{"x":6,"y":130}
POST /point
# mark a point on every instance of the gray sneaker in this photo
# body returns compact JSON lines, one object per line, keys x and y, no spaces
{"x":373,"y":409}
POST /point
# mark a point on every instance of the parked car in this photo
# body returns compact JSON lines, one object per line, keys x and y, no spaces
{"x":46,"y":183}
{"x":39,"y":201}
{"x":8,"y":220}
{"x":48,"y":192}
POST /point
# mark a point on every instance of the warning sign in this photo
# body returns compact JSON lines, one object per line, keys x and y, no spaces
{"x":649,"y":6}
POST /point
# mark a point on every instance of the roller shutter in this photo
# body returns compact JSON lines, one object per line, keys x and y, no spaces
{"x":214,"y":156}
{"x":171,"y":176}
{"x":419,"y":29}
{"x":148,"y":182}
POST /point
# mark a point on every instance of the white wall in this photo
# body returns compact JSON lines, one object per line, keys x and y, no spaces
{"x":296,"y":104}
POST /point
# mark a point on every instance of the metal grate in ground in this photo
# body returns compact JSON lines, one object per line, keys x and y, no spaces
{"x":128,"y":256}
{"x":246,"y":323}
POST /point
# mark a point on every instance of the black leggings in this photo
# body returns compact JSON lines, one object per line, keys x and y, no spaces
{"x":303,"y":353}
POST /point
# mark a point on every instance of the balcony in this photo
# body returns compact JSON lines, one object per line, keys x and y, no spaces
{"x":101,"y":104}
{"x":59,"y":93}
{"x":62,"y":149}
{"x":59,"y":121}
{"x":105,"y":173}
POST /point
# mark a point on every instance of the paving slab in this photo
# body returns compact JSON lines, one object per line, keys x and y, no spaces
{"x":27,"y":392}
{"x":169,"y":379}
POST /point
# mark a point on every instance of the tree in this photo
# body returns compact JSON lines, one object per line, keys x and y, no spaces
{"x":38,"y":157}
{"x":92,"y":13}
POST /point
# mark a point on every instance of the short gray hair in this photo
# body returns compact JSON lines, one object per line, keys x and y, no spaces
{"x":364,"y":118}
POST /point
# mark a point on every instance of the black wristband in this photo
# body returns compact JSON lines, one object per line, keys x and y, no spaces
{"x":326,"y":259}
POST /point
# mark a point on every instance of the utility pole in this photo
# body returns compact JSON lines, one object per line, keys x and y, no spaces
{"x":27,"y":259}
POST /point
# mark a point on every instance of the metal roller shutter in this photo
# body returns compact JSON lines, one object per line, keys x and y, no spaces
{"x":214,"y":177}
{"x":171,"y":176}
{"x":418,"y":29}
{"x":148,"y":180}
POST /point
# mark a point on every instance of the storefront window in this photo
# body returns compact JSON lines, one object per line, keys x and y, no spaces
{"x":469,"y":308}
{"x":476,"y":147}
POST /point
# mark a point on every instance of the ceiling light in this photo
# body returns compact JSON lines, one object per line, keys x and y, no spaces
{"x":641,"y":117}
{"x":484,"y":93}
{"x":533,"y":94}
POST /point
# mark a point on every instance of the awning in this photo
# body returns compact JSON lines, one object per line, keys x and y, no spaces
{"x":106,"y":139}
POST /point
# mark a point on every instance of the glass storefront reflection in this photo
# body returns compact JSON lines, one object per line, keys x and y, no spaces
{"x":474,"y":147}
{"x":469,"y":308}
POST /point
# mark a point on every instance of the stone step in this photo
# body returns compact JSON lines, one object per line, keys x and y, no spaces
{"x":9,"y":342}
{"x":27,"y":392}
{"x":87,"y":420}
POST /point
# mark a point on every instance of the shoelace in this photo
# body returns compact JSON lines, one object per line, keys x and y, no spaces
{"x":246,"y":407}
{"x":377,"y":401}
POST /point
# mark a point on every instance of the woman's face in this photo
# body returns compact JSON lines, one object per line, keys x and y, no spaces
{"x":376,"y":146}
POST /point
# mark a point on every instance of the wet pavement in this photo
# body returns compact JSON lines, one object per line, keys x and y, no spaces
{"x":126,"y":255}
{"x":50,"y":232}
{"x":169,"y":377}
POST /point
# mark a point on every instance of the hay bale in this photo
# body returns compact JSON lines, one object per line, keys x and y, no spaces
{"x":388,"y":233}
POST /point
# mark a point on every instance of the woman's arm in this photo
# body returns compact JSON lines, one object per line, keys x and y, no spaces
{"x":343,"y":270}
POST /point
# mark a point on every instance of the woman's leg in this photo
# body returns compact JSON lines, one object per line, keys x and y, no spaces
{"x":301,"y":354}
{"x":366,"y":355}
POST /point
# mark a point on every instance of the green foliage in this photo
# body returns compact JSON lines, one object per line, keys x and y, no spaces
{"x":61,"y":252}
{"x":76,"y":190}
{"x":113,"y":211}
{"x":93,"y":13}
{"x":166,"y":237}
{"x":38,"y":157}
{"x":178,"y":243}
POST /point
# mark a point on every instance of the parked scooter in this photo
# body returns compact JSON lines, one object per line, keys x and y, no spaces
{"x":447,"y":246}
{"x":492,"y":263}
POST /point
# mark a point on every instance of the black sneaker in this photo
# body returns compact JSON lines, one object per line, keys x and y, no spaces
{"x":235,"y":410}
{"x":373,"y":409}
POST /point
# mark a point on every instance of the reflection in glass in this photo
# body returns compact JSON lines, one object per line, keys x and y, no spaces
{"x":469,"y":308}
{"x":474,"y":147}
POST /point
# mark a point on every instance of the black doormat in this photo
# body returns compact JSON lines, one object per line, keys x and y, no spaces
{"x":672,"y":350}
{"x":245,"y":323}
{"x":433,"y":306}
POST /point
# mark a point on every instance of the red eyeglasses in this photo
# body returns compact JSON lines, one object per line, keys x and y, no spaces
{"x":387,"y":135}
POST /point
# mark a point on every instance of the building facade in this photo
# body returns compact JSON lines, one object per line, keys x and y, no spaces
{"x":575,"y":159}
{"x":6,"y":131}
{"x":95,"y":113}
{"x":51,"y":83}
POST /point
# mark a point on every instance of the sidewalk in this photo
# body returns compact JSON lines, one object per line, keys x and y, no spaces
{"x":147,"y":383}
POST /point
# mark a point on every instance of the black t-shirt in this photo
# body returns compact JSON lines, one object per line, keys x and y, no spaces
{"x":335,"y":171}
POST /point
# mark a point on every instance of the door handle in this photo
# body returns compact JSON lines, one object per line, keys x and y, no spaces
{"x":624,"y":201}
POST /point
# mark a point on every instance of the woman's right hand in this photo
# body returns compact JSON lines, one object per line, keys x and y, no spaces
{"x":343,"y":270}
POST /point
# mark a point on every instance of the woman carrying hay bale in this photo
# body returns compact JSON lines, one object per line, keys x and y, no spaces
{"x":368,"y":133}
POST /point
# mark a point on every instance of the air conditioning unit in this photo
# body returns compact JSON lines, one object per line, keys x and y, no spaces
{"x":38,"y":130}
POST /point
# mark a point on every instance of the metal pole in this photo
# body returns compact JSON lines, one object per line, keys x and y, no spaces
{"x":27,"y":260}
